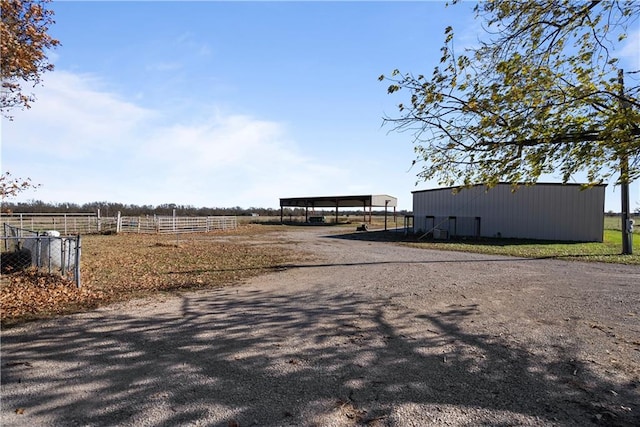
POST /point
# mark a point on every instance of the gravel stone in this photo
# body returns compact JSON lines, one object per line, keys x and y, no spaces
{"x":368,"y":333}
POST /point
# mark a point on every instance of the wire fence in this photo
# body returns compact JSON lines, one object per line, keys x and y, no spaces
{"x":46,"y":251}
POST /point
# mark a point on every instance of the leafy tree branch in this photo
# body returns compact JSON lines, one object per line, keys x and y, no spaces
{"x":540,"y":94}
{"x":24,"y":42}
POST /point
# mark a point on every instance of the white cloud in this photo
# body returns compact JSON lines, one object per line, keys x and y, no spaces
{"x":191,"y":42}
{"x":631,"y":50}
{"x":84,"y":143}
{"x":72,"y":117}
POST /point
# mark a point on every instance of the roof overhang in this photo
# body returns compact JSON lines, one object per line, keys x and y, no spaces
{"x":365,"y":201}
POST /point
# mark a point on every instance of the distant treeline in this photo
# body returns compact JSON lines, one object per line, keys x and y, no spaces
{"x":111,"y":209}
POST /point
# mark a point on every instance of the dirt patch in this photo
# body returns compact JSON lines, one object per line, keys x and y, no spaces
{"x":366,"y":333}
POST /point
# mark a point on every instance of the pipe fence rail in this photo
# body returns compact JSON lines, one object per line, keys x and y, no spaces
{"x":91,"y":223}
{"x":174,"y":224}
{"x":67,"y":224}
{"x":46,"y":251}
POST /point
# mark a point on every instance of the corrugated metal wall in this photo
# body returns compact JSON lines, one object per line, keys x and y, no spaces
{"x":384,"y":200}
{"x":543,"y":211}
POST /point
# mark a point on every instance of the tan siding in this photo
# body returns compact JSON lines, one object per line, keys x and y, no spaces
{"x":543,"y":211}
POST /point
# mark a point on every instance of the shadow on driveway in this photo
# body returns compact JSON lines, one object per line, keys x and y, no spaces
{"x":268,"y":359}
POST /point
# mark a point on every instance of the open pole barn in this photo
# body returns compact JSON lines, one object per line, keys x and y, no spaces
{"x":544,"y":211}
{"x":363,"y":201}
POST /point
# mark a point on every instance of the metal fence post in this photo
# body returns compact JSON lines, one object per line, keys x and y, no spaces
{"x":38,"y":249}
{"x":77,"y":266}
{"x":63,"y":263}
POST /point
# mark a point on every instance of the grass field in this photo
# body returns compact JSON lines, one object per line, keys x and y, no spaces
{"x":608,"y":251}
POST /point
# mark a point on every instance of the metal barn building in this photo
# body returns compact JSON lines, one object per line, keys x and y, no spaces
{"x":563,"y":212}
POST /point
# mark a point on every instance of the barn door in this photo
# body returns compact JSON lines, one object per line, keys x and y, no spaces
{"x":452,"y":226}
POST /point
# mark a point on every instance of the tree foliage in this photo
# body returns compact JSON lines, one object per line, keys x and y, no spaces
{"x":24,"y":42}
{"x":111,"y":209}
{"x":10,"y":186}
{"x":541,"y":93}
{"x":23,"y":58}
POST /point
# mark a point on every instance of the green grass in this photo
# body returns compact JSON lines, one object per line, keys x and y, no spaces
{"x":614,"y":223}
{"x":608,"y":251}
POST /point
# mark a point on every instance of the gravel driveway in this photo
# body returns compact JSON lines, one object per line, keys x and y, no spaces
{"x":369,"y":334}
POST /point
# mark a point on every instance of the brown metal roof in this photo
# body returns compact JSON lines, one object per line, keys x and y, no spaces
{"x":366,"y":201}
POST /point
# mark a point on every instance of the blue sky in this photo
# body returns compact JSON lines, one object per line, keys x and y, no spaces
{"x":230,"y":103}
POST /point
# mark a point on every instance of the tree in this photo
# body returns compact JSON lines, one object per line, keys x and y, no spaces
{"x":542,"y":93}
{"x":23,"y":51}
{"x":10,"y":187}
{"x":23,"y":58}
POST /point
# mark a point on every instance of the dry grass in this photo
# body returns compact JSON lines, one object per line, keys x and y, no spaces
{"x":121,"y":267}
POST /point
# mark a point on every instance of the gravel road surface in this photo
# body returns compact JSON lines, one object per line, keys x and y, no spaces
{"x":369,"y":333}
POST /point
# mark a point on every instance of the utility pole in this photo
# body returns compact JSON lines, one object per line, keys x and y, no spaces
{"x":627,"y":234}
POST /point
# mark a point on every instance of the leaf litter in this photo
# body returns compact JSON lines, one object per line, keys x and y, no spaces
{"x":117,"y":268}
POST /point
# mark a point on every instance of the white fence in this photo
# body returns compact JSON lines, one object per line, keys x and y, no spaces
{"x":66,"y":224}
{"x":90,"y":223}
{"x":174,"y":224}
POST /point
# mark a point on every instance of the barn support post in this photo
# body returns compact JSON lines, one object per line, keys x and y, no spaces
{"x":281,"y":214}
{"x":337,"y":204}
{"x":386,"y":204}
{"x":395,"y":218}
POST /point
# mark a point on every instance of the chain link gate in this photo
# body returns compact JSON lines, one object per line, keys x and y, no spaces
{"x":46,"y":251}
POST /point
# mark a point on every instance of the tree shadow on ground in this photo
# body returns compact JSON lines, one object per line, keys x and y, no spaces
{"x":401,"y":236}
{"x":376,"y":236}
{"x":313,"y":359}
